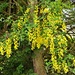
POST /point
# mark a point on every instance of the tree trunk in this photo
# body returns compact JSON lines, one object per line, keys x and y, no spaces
{"x":38,"y":63}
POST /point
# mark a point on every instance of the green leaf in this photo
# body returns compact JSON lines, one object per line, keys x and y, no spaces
{"x":70,"y":56}
{"x":72,"y":70}
{"x":1,"y":68}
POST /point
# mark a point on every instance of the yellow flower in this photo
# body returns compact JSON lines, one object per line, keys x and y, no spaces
{"x":8,"y":41}
{"x":28,"y":9}
{"x":1,"y":48}
{"x":45,"y":42}
{"x":46,"y":10}
{"x":62,"y":40}
{"x":60,"y":53}
{"x":59,"y":69}
{"x":19,"y":25}
{"x":33,"y":45}
{"x":54,"y":62}
{"x":63,"y":26}
{"x":55,"y":65}
{"x":8,"y":47}
{"x":36,"y":21}
{"x":65,"y":67}
{"x":39,"y":41}
{"x":74,"y":62}
{"x":16,"y":44}
{"x":52,"y":45}
{"x":15,"y":40}
{"x":8,"y":51}
{"x":41,"y":11}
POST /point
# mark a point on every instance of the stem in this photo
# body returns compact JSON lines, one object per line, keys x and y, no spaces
{"x":10,"y":7}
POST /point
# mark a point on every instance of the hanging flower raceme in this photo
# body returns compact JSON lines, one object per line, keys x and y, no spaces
{"x":2,"y":48}
{"x":16,"y":42}
{"x":65,"y":67}
{"x":7,"y":48}
{"x":19,"y":25}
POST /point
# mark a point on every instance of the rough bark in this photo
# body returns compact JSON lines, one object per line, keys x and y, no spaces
{"x":38,"y":63}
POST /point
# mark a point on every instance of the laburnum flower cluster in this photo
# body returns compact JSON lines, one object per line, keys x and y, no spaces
{"x":7,"y":46}
{"x":18,"y":33}
{"x":50,"y":33}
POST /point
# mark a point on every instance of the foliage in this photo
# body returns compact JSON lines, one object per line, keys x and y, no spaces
{"x":3,"y":6}
{"x":44,"y":29}
{"x":19,"y":63}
